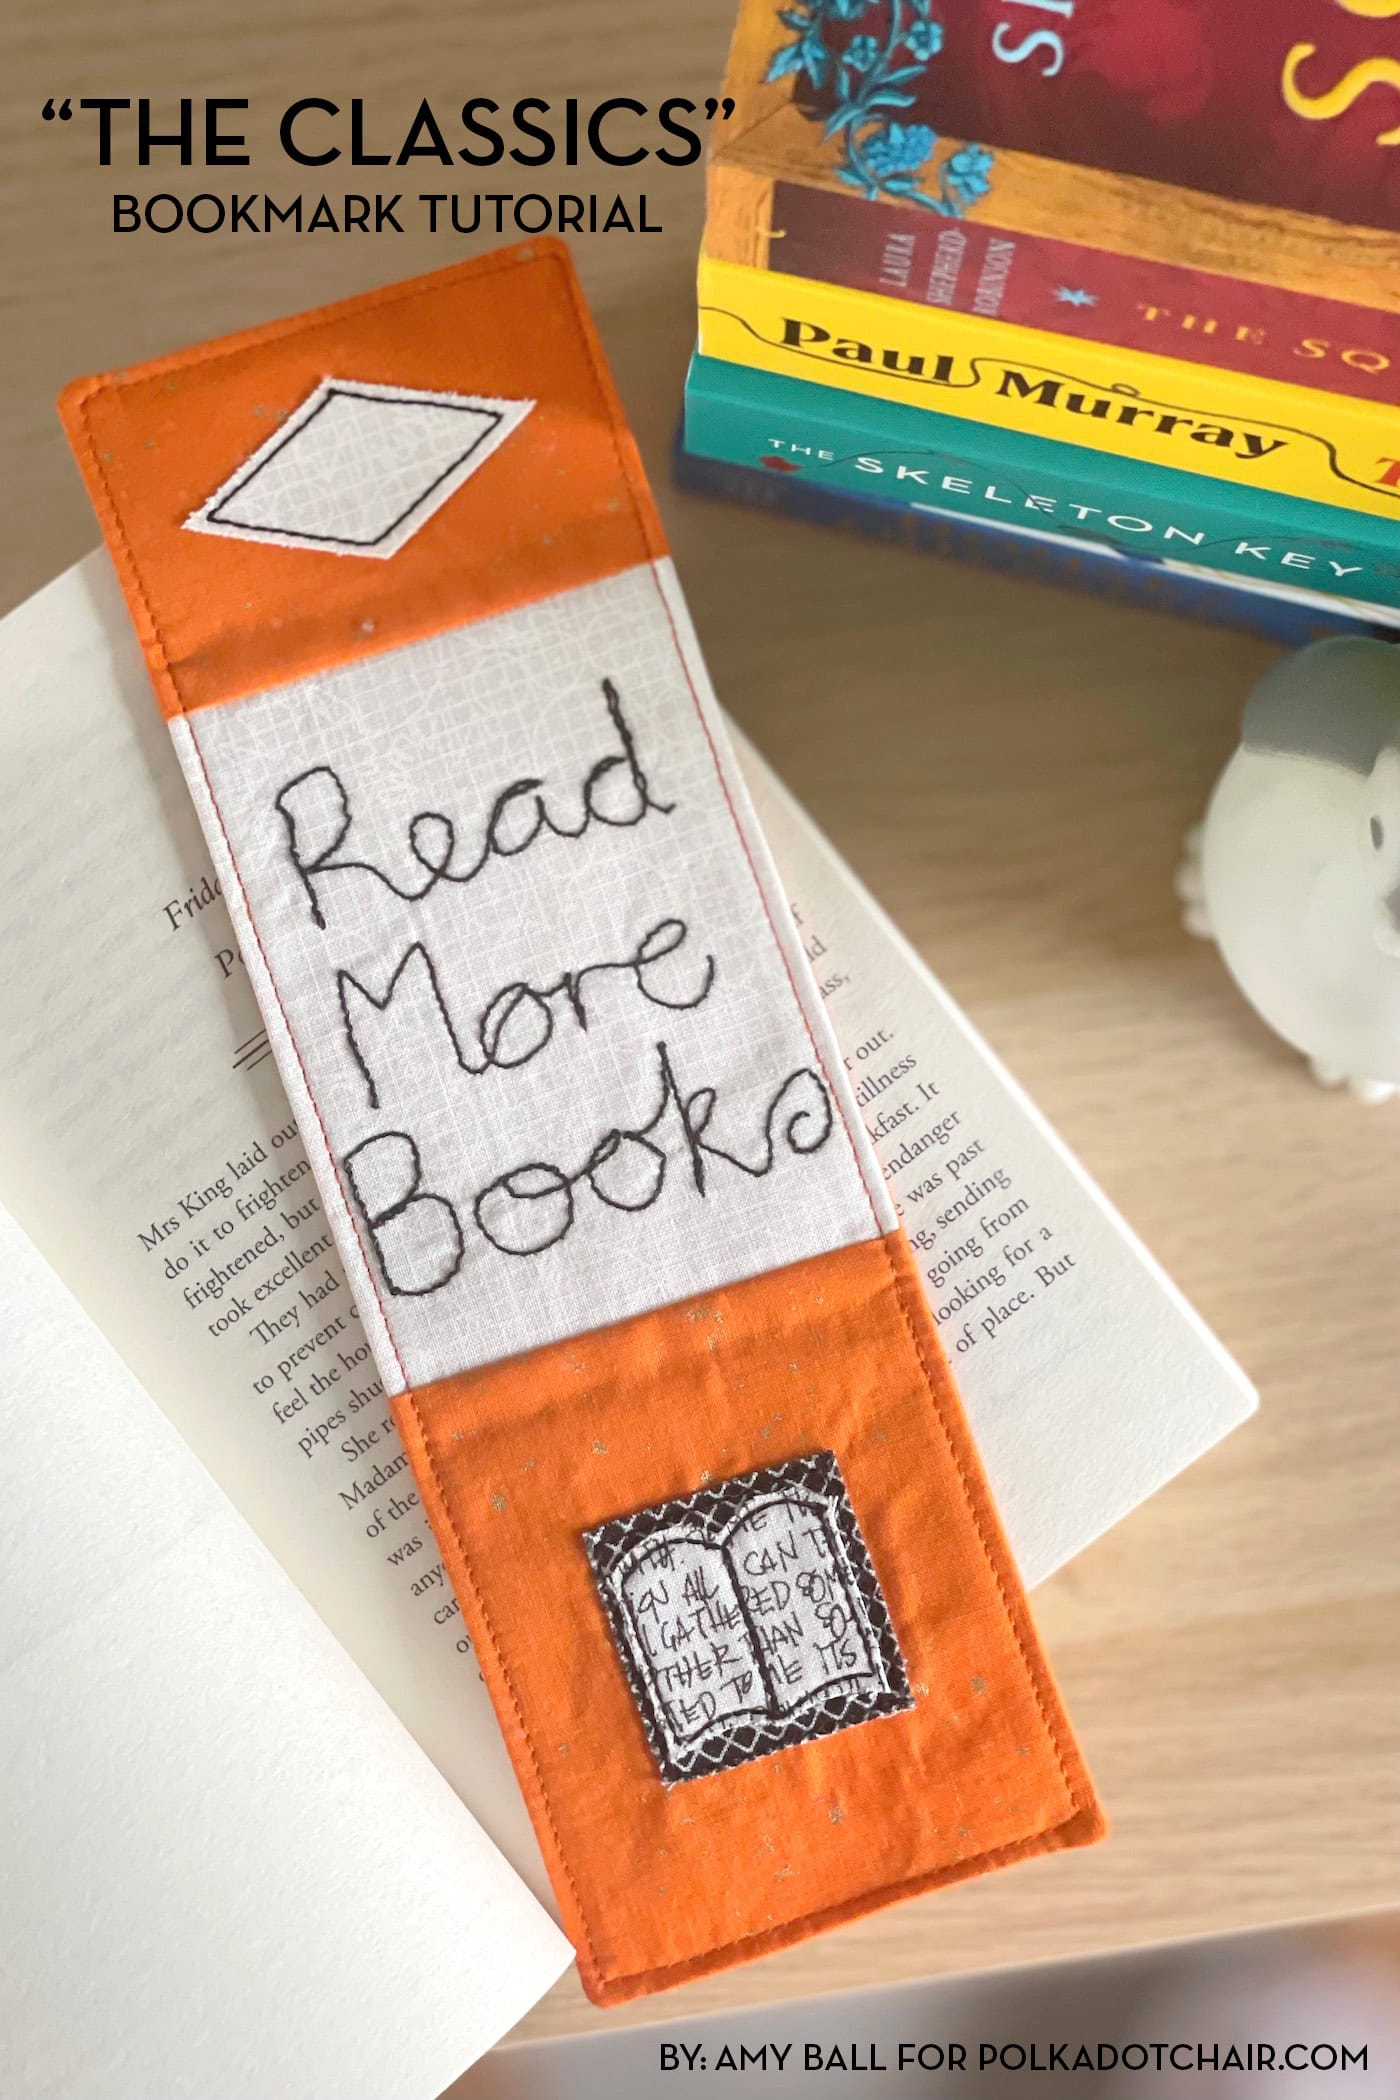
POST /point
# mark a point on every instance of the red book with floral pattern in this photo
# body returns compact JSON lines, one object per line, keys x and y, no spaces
{"x":1290,"y":103}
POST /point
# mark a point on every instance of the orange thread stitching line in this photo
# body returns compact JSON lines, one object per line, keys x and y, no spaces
{"x":411,"y":1402}
{"x":864,"y":1898}
{"x":93,"y":465}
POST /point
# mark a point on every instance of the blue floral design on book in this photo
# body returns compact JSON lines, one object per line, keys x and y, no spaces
{"x":880,"y":155}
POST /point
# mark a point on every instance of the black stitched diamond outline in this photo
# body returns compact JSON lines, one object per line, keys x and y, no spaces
{"x":710,"y":1515}
{"x":218,"y":515}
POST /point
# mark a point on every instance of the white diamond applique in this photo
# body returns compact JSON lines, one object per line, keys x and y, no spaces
{"x":359,"y":468}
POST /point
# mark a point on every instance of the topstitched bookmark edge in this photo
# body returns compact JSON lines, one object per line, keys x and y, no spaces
{"x":418,"y":1406}
{"x":1083,"y":1824}
{"x":287,"y":1054}
{"x":75,"y":405}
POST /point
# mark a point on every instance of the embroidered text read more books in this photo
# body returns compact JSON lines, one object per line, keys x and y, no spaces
{"x":534,"y":1009}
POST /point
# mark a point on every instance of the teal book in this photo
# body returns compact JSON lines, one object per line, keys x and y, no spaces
{"x":899,"y":454}
{"x":1278,"y":612}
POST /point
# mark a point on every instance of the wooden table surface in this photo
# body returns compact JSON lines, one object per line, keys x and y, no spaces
{"x":1011,"y":770}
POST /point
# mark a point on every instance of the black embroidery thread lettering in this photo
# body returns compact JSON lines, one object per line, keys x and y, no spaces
{"x":415,"y":1253}
{"x":805,"y":1127}
{"x":497,"y":1033}
{"x":532,"y":1207}
{"x":316,"y":802}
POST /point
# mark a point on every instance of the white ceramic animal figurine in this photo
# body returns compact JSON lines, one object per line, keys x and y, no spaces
{"x":1295,"y":872}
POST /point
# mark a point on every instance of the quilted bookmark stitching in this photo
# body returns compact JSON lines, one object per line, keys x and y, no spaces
{"x":993,"y":1560}
{"x":861,"y":1168}
{"x":408,"y":1399}
{"x":113,"y":516}
{"x":338,"y":1175}
{"x":810,"y":1676}
{"x":301,"y":325}
{"x":157,"y":373}
{"x":484,"y":1636}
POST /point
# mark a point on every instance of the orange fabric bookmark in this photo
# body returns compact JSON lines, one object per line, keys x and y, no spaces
{"x":660,"y":1884}
{"x":652,"y":1335}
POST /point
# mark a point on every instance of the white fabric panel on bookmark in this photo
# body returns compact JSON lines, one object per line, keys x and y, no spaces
{"x":564,"y":1070}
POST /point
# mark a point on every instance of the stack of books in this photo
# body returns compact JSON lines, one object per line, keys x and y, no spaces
{"x":1108,"y":293}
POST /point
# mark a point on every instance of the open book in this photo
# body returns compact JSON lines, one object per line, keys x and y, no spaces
{"x":748,"y":1616}
{"x":231,"y":1659}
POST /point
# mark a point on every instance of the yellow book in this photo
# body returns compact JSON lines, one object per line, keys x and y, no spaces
{"x":1227,"y":426}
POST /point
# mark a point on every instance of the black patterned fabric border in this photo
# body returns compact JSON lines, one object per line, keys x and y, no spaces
{"x":748,"y":1617}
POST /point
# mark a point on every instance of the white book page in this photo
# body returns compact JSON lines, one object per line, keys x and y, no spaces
{"x":228,"y":1872}
{"x":1088,"y":1379}
{"x":148,"y":1150}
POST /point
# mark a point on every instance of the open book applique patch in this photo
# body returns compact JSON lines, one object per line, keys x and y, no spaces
{"x":359,"y":468}
{"x":748,"y":1617}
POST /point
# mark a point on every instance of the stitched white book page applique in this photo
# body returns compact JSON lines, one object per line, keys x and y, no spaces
{"x":359,"y":468}
{"x":748,"y":1617}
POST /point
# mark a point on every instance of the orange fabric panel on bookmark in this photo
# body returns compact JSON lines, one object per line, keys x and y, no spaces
{"x":654,"y":1342}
